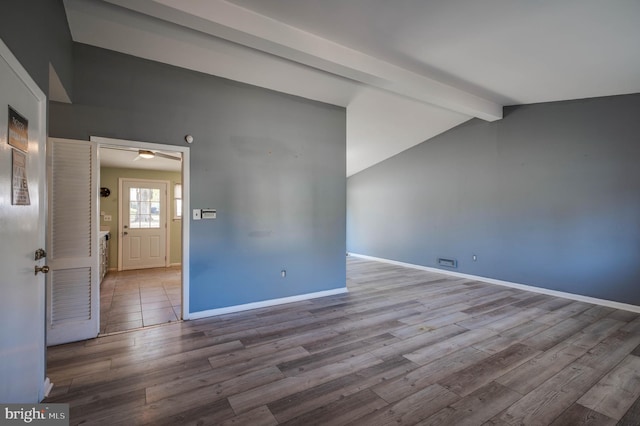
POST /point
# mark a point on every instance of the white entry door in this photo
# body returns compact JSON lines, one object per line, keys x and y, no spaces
{"x":22,"y":232}
{"x":143,"y":223}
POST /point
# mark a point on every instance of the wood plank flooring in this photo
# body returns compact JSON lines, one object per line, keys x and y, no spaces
{"x":402,"y":347}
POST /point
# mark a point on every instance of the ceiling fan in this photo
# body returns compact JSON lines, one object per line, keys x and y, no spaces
{"x":146,"y":154}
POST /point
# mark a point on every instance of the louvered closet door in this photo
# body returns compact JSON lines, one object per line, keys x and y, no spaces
{"x":73,"y":304}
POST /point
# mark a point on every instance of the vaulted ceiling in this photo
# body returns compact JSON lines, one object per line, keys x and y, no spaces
{"x":406,"y":70}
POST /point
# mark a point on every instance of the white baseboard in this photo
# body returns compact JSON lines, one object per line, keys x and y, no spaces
{"x":263,"y":304}
{"x":572,"y":296}
{"x":46,"y":388}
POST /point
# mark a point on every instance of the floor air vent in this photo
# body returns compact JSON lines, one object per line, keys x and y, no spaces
{"x":449,"y":263}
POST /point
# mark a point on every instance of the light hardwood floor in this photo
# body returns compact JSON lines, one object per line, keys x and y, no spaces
{"x":402,"y":347}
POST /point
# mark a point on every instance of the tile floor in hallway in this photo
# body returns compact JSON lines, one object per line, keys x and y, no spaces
{"x":139,"y":298}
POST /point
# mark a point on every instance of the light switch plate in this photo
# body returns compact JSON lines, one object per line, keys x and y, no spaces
{"x":107,"y":218}
{"x":197,"y":214}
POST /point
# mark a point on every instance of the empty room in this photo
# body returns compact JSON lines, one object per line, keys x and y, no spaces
{"x":265,"y":212}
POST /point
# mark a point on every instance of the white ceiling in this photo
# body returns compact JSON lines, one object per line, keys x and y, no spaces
{"x":128,"y":159}
{"x":406,"y":70}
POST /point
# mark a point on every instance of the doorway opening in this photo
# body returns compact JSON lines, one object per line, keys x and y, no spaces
{"x":144,"y":193}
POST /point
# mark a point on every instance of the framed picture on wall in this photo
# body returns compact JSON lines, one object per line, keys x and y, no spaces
{"x":20,"y":189}
{"x":18,"y":131}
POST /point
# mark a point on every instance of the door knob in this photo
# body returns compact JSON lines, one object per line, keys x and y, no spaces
{"x":44,"y":269}
{"x":125,"y":233}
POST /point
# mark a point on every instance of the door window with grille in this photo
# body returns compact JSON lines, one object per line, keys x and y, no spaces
{"x":144,"y":208}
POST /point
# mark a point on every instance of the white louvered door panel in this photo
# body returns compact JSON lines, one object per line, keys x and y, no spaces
{"x":73,"y":303}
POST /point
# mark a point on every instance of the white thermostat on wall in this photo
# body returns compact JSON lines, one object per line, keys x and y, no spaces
{"x":208,"y":213}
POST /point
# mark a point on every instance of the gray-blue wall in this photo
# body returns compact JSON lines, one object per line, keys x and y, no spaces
{"x":272,"y":165}
{"x":549,"y":196}
{"x":37,"y":33}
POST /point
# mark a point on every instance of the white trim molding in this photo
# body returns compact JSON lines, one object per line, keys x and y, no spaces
{"x":186,"y":182}
{"x":572,"y":296}
{"x":46,"y":388}
{"x":266,"y":303}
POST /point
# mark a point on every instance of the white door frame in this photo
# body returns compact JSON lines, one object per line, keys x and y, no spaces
{"x":167,"y":207}
{"x":186,"y":178}
{"x":34,"y":343}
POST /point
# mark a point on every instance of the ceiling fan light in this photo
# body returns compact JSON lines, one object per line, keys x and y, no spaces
{"x":146,"y":154}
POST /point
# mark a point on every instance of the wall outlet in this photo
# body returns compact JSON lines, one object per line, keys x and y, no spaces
{"x":474,"y":257}
{"x":107,"y":218}
{"x":283,"y":273}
